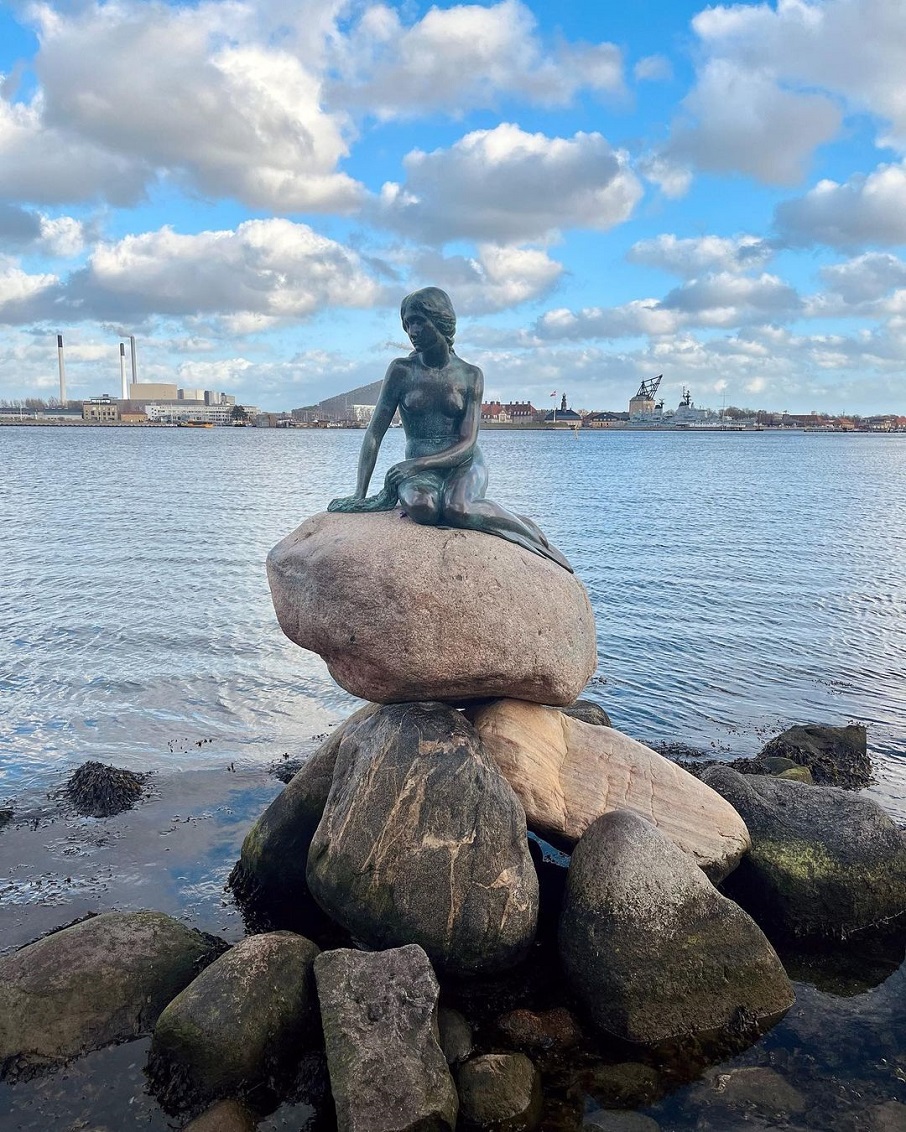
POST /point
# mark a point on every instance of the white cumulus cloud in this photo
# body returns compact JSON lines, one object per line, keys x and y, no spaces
{"x":693,"y":255}
{"x":509,"y":186}
{"x":865,"y":210}
{"x":265,"y":271}
{"x":463,"y":57}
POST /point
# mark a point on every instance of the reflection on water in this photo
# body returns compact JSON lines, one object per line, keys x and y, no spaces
{"x":740,"y":583}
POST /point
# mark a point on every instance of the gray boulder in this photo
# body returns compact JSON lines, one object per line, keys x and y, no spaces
{"x":422,"y":841}
{"x":387,"y":1070}
{"x":824,"y":862}
{"x":268,"y":880}
{"x":100,"y":981}
{"x":836,"y":756}
{"x":402,"y":612}
{"x":242,"y":1023}
{"x":455,"y":1035}
{"x":500,"y":1091}
{"x":650,"y":947}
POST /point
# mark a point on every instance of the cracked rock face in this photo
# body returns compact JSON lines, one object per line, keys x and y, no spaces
{"x":422,"y":841}
{"x":379,"y":1011}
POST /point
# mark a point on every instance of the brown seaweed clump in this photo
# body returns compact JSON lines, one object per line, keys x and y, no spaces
{"x":99,"y":791}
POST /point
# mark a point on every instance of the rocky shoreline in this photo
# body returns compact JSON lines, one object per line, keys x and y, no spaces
{"x":477,"y":905}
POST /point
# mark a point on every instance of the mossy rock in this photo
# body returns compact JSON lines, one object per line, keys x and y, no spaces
{"x":824,"y":862}
{"x":241,"y":1025}
{"x":103,"y":980}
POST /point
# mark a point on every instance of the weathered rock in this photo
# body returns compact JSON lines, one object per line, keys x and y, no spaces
{"x":268,"y":880}
{"x":99,"y":791}
{"x":626,"y":1084}
{"x":548,"y":1030}
{"x":757,"y":1086}
{"x":650,"y":947}
{"x":500,"y":1091}
{"x":567,"y":773}
{"x":225,"y":1116}
{"x":422,"y":841}
{"x":836,"y":756}
{"x":455,"y":1035}
{"x":241,"y":1024}
{"x":619,"y":1121}
{"x":402,"y":612}
{"x":797,"y":774}
{"x":379,"y":1013}
{"x":824,"y":862}
{"x":100,"y":981}
{"x":588,"y":712}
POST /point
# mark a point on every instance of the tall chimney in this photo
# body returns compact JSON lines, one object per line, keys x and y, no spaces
{"x":62,"y":370}
{"x":124,"y":389}
{"x":134,"y":370}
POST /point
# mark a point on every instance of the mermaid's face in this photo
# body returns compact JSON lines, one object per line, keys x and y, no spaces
{"x":422,"y":332}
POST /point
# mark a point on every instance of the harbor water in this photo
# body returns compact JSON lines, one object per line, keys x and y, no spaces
{"x":741,"y":583}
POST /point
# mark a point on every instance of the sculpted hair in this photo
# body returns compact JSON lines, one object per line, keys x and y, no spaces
{"x":436,"y":305}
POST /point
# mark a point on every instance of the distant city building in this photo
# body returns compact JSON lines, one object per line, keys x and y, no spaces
{"x":100,"y":409}
{"x":494,"y":412}
{"x":191,"y":395}
{"x":174,"y":411}
{"x":343,"y":406}
{"x":604,"y":420}
{"x":521,"y":412}
{"x":563,"y":415}
{"x":152,"y":391}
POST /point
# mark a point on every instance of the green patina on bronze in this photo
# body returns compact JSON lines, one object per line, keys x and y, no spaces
{"x":442,"y":481}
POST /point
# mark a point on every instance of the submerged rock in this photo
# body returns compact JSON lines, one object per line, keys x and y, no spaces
{"x":225,"y":1116}
{"x":500,"y":1091}
{"x":650,"y":947}
{"x":100,"y":981}
{"x":836,"y":756}
{"x":824,"y":862}
{"x":422,"y":841}
{"x":379,"y":1013}
{"x":241,"y":1024}
{"x":99,"y":791}
{"x":402,"y":612}
{"x":566,"y":773}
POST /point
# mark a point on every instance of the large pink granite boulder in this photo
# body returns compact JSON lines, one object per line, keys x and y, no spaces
{"x":567,"y":773}
{"x":402,"y":612}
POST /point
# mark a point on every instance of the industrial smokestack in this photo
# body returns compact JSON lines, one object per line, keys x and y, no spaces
{"x":124,"y":389}
{"x":134,"y":369}
{"x":62,"y":370}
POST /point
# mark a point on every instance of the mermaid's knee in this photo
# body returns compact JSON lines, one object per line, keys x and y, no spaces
{"x":422,"y":507}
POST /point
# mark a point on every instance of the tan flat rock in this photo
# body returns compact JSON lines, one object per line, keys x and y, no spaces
{"x":567,"y":773}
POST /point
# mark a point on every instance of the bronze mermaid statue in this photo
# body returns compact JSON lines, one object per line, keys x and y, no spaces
{"x":443,"y":479}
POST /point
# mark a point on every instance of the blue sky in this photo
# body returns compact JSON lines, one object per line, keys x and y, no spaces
{"x":607,"y":193}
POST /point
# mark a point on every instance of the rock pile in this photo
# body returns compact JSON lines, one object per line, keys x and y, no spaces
{"x":414,"y":954}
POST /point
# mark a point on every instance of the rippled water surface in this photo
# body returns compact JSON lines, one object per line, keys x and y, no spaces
{"x":740,"y":582}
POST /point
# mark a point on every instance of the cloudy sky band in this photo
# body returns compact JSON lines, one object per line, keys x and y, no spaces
{"x":715,"y":193}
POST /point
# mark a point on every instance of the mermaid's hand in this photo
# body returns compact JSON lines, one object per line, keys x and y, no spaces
{"x":385,"y":500}
{"x":398,"y":473}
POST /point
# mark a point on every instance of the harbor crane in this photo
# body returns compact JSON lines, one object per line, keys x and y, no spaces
{"x":648,"y":389}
